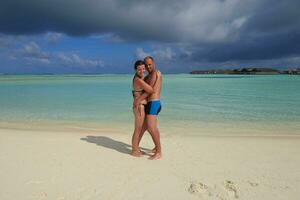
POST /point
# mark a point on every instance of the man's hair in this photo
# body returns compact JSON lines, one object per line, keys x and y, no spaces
{"x":138,"y":63}
{"x":148,"y":57}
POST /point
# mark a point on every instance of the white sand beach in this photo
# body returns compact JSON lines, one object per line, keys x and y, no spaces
{"x":79,"y":165}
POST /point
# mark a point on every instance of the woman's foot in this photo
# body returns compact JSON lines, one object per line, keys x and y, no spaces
{"x":156,"y":156}
{"x":143,"y":152}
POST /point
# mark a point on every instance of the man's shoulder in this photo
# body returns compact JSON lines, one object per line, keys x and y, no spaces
{"x":158,"y":73}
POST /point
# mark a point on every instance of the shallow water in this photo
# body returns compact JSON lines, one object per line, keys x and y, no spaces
{"x":192,"y":104}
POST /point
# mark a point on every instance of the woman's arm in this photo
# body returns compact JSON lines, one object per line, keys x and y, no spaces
{"x":148,"y":89}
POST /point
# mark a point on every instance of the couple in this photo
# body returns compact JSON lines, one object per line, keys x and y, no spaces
{"x":146,"y":105}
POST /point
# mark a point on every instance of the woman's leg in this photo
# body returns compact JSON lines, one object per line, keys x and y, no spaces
{"x":139,"y":116}
{"x":144,"y":128}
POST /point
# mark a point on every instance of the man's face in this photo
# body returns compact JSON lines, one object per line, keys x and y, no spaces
{"x":150,"y":65}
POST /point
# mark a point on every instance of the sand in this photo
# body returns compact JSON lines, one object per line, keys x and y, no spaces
{"x":80,"y":165}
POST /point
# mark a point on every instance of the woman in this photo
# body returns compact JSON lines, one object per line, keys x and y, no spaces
{"x":139,"y":86}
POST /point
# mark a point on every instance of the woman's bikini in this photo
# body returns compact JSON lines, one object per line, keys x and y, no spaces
{"x":137,"y":91}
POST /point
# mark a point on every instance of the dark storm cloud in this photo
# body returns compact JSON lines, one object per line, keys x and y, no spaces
{"x":130,"y":20}
{"x":260,"y":48}
{"x":272,"y":32}
{"x":277,"y":16}
{"x":172,"y":20}
{"x":212,"y":30}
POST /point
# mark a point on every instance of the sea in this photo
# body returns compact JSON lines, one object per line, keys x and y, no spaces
{"x":225,"y":105}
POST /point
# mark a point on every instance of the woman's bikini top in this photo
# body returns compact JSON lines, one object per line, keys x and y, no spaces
{"x":135,"y":90}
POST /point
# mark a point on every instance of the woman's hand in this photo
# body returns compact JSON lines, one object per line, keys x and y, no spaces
{"x":140,"y":109}
{"x":136,"y":102}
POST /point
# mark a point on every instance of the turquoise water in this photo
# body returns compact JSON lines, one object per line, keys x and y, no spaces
{"x":191,"y":103}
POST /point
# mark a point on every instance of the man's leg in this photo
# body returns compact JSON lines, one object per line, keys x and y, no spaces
{"x":154,"y":132}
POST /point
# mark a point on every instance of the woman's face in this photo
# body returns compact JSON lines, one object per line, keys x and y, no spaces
{"x":140,"y":70}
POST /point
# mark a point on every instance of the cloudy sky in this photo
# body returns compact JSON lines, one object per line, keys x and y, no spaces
{"x":107,"y":36}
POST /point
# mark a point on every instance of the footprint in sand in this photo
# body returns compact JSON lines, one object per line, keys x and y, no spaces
{"x":253,"y":184}
{"x":34,"y":182}
{"x":231,"y":188}
{"x":199,"y":189}
{"x":221,"y":196}
{"x":227,"y":191}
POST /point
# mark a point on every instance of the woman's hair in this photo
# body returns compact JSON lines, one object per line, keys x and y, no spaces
{"x":138,"y":63}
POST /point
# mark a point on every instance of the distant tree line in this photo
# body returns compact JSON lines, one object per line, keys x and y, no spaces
{"x":252,"y":70}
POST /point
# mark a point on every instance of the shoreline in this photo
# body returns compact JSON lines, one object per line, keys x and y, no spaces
{"x":129,"y":134}
{"x":167,"y":129}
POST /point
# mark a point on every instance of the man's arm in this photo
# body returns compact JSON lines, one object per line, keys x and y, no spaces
{"x":158,"y":81}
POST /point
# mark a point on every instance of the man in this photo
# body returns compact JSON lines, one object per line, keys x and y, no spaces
{"x":153,"y":106}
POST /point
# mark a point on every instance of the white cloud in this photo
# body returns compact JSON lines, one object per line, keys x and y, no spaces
{"x":294,"y":61}
{"x":162,"y":54}
{"x":75,"y":60}
{"x":32,"y":60}
{"x":32,"y":49}
{"x":53,"y":37}
{"x":5,"y":41}
{"x":141,"y":54}
{"x":32,"y":53}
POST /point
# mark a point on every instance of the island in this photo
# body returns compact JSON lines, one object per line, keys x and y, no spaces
{"x":250,"y":70}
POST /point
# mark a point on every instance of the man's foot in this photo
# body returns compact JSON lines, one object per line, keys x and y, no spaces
{"x":156,"y":156}
{"x":153,"y":150}
{"x":136,"y":153}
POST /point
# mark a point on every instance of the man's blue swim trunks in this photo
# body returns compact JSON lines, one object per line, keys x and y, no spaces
{"x":153,"y":107}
